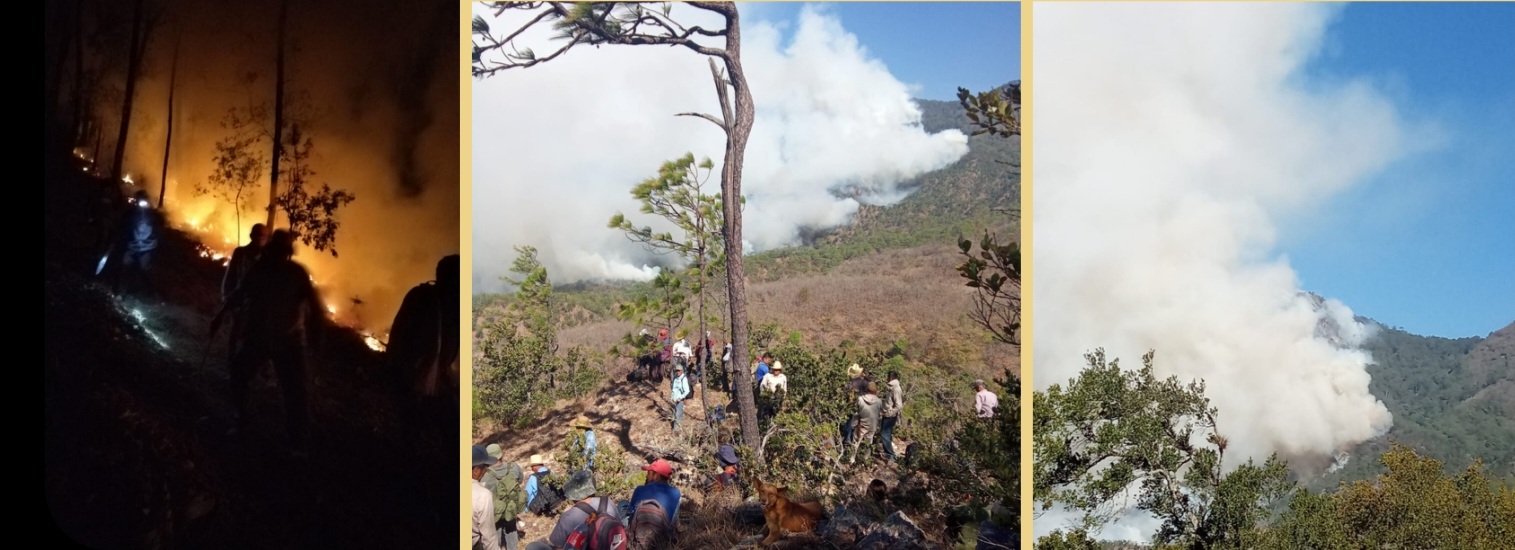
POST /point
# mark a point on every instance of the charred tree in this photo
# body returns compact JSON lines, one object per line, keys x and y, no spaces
{"x":278,"y":137}
{"x":168,"y":140}
{"x":78,"y":86}
{"x":133,"y":65}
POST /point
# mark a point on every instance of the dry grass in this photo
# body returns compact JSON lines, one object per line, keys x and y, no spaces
{"x":912,"y":295}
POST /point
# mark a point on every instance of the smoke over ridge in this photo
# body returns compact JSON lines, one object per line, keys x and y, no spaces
{"x":558,"y":146}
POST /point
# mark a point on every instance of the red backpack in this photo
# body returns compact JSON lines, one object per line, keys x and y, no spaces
{"x":602,"y":530}
{"x":651,"y":528}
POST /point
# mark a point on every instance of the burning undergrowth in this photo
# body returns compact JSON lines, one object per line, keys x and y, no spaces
{"x":137,"y":450}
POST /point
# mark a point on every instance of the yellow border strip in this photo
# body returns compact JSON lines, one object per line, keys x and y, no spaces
{"x":1027,"y":327}
{"x":465,"y":241}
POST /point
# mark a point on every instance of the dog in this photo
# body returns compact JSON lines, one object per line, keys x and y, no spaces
{"x":784,"y":515}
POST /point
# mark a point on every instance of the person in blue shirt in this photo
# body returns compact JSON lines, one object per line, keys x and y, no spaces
{"x":680,"y":393}
{"x":762,"y":369}
{"x":538,"y":467}
{"x":590,"y":442}
{"x":657,"y":488}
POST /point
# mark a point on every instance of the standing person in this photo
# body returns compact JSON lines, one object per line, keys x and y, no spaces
{"x":893,"y":405}
{"x":772,"y":389}
{"x":683,"y":355}
{"x":485,"y":535}
{"x":680,"y":392}
{"x":775,"y":383}
{"x":869,"y":408}
{"x":137,"y":239}
{"x":856,"y":385}
{"x":588,"y":442}
{"x":242,"y":261}
{"x":761,"y":370}
{"x":504,"y":481}
{"x":283,"y":308}
{"x":984,"y":402}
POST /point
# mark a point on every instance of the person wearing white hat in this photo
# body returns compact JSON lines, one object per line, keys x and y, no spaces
{"x":538,"y":467}
{"x":776,"y":383}
{"x":858,"y":385}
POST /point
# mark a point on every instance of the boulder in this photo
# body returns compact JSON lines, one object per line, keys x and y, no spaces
{"x":898,"y":532}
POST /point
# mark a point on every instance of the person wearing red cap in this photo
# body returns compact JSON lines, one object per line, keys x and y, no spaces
{"x":657,"y":488}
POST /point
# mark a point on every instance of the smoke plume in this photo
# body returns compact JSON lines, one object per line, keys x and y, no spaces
{"x":375,"y":89}
{"x":558,"y":146}
{"x":1171,"y":142}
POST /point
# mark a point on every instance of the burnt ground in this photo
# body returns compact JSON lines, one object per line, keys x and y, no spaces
{"x":137,"y":413}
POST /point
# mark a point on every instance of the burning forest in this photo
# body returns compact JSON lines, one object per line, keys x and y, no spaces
{"x":205,"y":161}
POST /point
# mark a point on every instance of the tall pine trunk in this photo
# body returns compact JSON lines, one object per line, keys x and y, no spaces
{"x":273,"y":176}
{"x":62,"y":21}
{"x":134,"y":57}
{"x":168,"y":140}
{"x":740,"y":127}
{"x":78,"y":88}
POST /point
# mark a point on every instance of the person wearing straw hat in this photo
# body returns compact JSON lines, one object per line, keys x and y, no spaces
{"x":538,"y":467}
{"x":776,"y":383}
{"x":504,"y":480}
{"x":485,"y":535}
{"x":856,"y":385}
{"x":588,"y":442}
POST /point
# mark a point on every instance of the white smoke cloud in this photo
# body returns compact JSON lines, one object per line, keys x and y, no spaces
{"x":1170,"y":141}
{"x":558,"y":146}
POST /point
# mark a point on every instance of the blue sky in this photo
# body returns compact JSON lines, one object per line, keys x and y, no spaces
{"x":939,"y":46}
{"x":1430,"y":244}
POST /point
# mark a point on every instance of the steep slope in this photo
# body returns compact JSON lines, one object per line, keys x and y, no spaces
{"x":1452,"y":399}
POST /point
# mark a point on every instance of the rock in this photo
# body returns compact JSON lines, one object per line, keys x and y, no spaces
{"x":898,"y":532}
{"x":844,"y":528}
{"x":991,"y":536}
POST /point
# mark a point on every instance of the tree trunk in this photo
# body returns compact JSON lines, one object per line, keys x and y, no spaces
{"x":134,"y":62}
{"x":78,"y":91}
{"x":94,"y":156}
{"x":273,"y":175}
{"x":168,"y":140}
{"x":63,"y":19}
{"x":699,"y":229}
{"x":739,"y":127}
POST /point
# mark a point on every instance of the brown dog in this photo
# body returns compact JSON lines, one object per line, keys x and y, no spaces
{"x":785,"y":515}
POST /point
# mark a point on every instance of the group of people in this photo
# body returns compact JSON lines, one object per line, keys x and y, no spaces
{"x":275,"y":310}
{"x":585,"y":517}
{"x":876,"y":415}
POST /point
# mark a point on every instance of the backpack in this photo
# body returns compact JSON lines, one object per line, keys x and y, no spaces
{"x":600,"y":531}
{"x":509,"y":495}
{"x":650,"y":526}
{"x":549,"y":496}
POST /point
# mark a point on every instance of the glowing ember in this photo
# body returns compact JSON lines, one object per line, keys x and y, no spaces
{"x":128,"y":179}
{"x":331,"y":309}
{"x":373,"y":343}
{"x":213,"y":255}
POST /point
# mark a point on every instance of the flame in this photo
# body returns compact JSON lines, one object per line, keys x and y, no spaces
{"x":128,"y":179}
{"x":373,"y":342}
